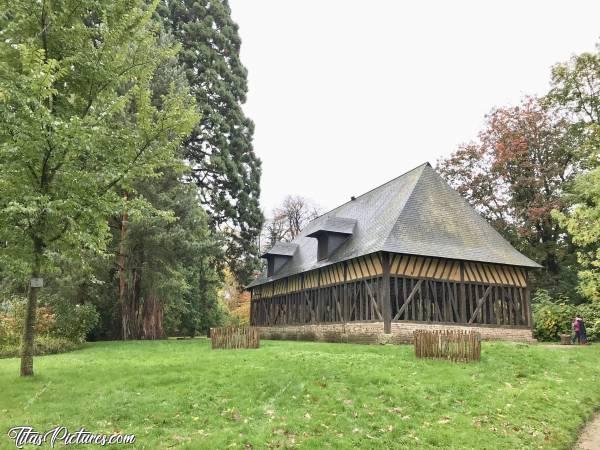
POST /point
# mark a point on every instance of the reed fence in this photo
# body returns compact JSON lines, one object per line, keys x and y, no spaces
{"x":455,"y":345}
{"x":234,"y":337}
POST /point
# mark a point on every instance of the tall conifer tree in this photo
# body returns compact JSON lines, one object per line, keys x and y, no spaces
{"x":219,"y":150}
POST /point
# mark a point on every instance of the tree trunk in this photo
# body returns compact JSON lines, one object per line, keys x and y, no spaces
{"x":27,"y":340}
{"x":122,"y":278}
{"x":152,"y":318}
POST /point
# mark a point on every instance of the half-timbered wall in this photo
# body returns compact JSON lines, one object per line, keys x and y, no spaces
{"x":440,"y":301}
{"x":343,"y":292}
{"x":439,"y":290}
{"x":420,"y":288}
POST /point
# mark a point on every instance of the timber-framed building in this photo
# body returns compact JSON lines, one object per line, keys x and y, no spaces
{"x":411,"y":253}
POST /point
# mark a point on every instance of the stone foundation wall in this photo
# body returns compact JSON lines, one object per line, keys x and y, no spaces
{"x":372,"y":332}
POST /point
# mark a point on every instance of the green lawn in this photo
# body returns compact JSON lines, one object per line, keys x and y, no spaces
{"x":181,"y":394}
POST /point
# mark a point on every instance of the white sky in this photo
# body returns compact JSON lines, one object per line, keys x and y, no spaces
{"x":348,"y":94}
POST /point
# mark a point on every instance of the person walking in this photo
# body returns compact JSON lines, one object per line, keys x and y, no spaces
{"x":576,"y":327}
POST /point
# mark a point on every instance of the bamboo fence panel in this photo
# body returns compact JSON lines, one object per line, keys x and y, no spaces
{"x":234,"y":337}
{"x":455,"y":345}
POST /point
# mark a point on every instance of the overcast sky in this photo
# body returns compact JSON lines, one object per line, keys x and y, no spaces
{"x":348,"y":94}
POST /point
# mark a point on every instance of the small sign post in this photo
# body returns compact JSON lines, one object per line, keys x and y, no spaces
{"x":37,"y":282}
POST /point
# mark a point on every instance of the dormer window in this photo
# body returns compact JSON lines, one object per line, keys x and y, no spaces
{"x":279,"y":256}
{"x":331,"y":234}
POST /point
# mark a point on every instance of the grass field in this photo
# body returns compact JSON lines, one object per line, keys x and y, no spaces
{"x":181,"y":394}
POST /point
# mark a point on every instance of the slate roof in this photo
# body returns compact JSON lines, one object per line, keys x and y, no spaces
{"x":283,"y":249}
{"x":340,"y":225}
{"x":416,"y":213}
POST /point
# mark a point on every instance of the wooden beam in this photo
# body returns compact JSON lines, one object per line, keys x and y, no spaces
{"x":527,"y":302}
{"x":319,"y":306}
{"x":252,"y":321}
{"x":406,"y":290}
{"x":385,"y":293}
{"x":408,"y":300}
{"x":396,"y":294}
{"x":287,"y":300}
{"x":346,"y":316}
{"x":463,"y":294}
{"x":480,"y":303}
{"x":335,"y":291}
{"x":452,"y":300}
{"x":371,"y":300}
{"x":302,"y":312}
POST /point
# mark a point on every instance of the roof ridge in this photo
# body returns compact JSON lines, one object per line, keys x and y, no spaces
{"x":412,"y":191}
{"x":474,"y":213}
{"x":426,"y":163}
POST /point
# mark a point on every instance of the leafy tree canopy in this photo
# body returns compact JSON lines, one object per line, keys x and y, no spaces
{"x":576,"y":88}
{"x":77,"y":121}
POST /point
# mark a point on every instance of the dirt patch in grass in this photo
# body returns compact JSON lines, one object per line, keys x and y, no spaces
{"x":590,"y":437}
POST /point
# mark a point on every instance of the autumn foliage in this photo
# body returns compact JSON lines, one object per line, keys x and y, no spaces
{"x":515,"y":173}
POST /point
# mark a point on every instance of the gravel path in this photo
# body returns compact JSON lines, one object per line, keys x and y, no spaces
{"x":590,"y":438}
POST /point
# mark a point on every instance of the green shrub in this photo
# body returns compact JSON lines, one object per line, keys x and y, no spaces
{"x":590,"y":312}
{"x":13,"y":318}
{"x":43,"y":345}
{"x":8,"y":329}
{"x":232,"y":321}
{"x":74,"y":322}
{"x":59,"y":328}
{"x":552,"y":318}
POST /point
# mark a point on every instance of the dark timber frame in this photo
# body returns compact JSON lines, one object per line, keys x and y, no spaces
{"x":388,"y":287}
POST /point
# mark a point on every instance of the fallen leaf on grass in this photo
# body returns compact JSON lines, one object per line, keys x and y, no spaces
{"x":235,"y":415}
{"x":180,"y":438}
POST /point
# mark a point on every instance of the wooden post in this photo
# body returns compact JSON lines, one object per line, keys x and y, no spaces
{"x":287,"y":300}
{"x":385,"y":293}
{"x":463,"y":294}
{"x":527,"y":301}
{"x":251,"y":308}
{"x":346,"y":299}
{"x":319,"y":307}
{"x":302,"y":299}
